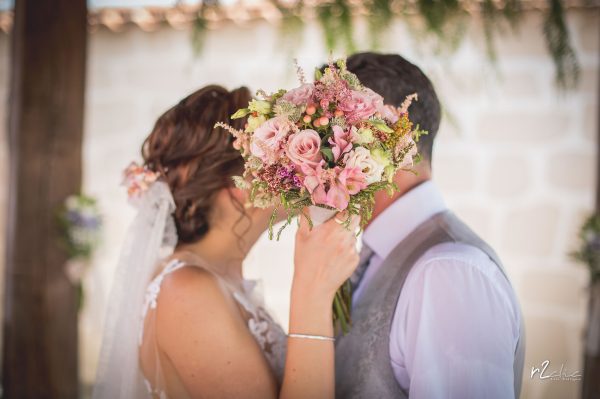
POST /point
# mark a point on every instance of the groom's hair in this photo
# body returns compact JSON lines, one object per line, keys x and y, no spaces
{"x":394,"y":78}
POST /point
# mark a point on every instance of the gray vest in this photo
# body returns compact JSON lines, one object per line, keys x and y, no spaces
{"x":362,"y":357}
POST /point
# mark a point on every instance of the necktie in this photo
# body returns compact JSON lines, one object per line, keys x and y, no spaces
{"x":365,"y":256}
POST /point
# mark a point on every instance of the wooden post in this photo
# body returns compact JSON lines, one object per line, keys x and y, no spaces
{"x":45,"y":136}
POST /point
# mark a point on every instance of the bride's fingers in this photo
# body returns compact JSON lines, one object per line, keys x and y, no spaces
{"x":303,"y":227}
{"x":341,"y":217}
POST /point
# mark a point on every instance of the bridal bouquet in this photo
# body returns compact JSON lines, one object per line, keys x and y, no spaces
{"x":328,"y":145}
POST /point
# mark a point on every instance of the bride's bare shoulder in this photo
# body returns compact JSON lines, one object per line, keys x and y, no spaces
{"x":191,"y":286}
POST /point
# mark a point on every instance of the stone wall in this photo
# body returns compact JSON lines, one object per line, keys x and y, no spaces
{"x":514,"y":158}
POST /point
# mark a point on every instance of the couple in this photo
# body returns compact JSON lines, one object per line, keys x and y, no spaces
{"x":434,"y":314}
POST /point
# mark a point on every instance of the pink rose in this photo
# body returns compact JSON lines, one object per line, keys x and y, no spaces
{"x":360,"y":105}
{"x":387,"y":112}
{"x":267,"y":139}
{"x":353,"y":179}
{"x":303,"y":148}
{"x":301,"y":95}
{"x":340,"y":142}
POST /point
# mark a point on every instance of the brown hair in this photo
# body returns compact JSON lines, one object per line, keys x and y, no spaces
{"x":193,"y":157}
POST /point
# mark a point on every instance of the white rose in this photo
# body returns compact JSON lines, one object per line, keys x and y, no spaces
{"x":361,"y":158}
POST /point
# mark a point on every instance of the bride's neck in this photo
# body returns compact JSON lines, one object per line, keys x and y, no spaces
{"x":222,"y":250}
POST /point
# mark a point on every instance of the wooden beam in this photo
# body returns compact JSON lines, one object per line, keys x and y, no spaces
{"x":45,"y":137}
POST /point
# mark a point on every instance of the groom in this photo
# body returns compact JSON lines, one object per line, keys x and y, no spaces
{"x":434,"y":314}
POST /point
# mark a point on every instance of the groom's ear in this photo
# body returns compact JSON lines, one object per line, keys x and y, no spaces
{"x":235,"y":193}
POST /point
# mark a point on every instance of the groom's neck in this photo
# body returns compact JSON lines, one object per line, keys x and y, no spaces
{"x":405,"y":181}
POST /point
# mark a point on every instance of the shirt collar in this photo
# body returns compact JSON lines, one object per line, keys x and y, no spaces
{"x":404,"y":215}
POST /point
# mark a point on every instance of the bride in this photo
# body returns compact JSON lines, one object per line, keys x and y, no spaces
{"x":182,"y":321}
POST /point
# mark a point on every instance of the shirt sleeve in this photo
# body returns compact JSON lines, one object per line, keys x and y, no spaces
{"x":455,"y":328}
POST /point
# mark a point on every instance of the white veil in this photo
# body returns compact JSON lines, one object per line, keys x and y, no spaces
{"x":151,"y":237}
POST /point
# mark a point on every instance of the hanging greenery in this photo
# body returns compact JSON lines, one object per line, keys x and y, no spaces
{"x":445,"y":20}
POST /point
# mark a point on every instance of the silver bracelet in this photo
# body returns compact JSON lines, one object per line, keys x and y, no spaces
{"x":309,"y":336}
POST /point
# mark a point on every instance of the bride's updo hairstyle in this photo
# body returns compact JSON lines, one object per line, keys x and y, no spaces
{"x":193,"y":157}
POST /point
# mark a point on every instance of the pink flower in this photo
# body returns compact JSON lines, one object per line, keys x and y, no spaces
{"x":360,"y":105}
{"x":361,"y":159}
{"x":390,"y":113}
{"x":267,"y":139}
{"x":303,"y":148}
{"x":329,"y":187}
{"x":341,"y":142}
{"x":353,"y":179}
{"x":337,"y":195}
{"x":138,"y":179}
{"x":313,"y":181}
{"x":407,"y":161}
{"x":301,"y":95}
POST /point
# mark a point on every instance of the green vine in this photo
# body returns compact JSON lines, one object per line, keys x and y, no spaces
{"x":380,"y":19}
{"x":444,"y":19}
{"x":558,"y":42}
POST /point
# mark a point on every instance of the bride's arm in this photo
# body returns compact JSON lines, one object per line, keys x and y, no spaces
{"x":207,"y":342}
{"x":325,"y":257}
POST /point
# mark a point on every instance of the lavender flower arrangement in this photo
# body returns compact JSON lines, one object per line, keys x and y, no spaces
{"x":81,"y":224}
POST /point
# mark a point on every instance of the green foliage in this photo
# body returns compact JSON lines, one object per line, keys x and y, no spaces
{"x":336,"y":21}
{"x":379,"y":20}
{"x":199,"y":32}
{"x":559,"y":45}
{"x":589,"y":248}
{"x":444,"y":19}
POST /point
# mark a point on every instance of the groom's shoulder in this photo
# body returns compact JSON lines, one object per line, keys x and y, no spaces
{"x":457,"y":258}
{"x":457,"y":251}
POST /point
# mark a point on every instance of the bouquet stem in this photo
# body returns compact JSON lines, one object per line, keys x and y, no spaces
{"x":342,"y":304}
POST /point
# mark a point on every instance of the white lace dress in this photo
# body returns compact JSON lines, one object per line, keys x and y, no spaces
{"x":268,"y":334}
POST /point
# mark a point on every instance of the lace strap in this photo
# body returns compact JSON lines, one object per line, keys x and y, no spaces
{"x":153,"y":290}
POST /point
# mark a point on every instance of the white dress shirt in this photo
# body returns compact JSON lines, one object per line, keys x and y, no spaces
{"x":456,"y":324}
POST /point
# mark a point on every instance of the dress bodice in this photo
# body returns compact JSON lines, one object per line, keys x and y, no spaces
{"x":268,"y":334}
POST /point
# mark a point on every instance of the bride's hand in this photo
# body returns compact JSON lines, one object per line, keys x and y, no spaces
{"x":325,"y":255}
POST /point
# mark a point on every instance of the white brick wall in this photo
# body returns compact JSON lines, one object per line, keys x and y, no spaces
{"x":514,"y":158}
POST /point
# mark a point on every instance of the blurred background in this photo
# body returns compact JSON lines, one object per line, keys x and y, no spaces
{"x":515,"y":156}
